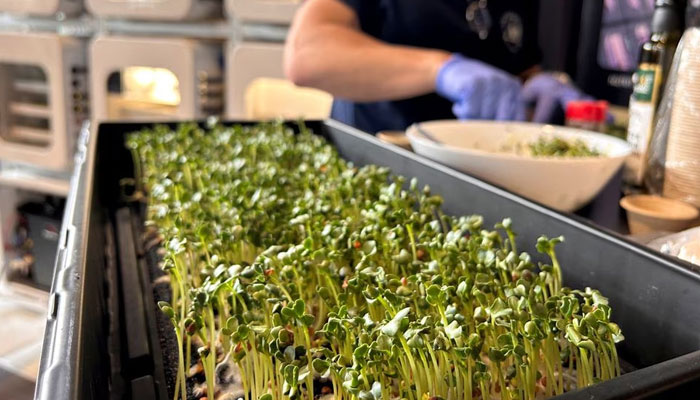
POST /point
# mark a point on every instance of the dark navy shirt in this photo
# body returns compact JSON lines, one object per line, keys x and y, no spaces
{"x":502,"y":33}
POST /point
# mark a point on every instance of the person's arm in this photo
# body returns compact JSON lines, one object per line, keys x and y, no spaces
{"x":327,"y":50}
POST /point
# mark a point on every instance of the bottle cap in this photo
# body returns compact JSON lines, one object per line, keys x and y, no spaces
{"x":667,"y":16}
{"x":664,"y":3}
{"x":585,"y":110}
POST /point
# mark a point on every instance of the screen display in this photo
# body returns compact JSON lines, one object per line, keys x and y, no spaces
{"x":625,"y":27}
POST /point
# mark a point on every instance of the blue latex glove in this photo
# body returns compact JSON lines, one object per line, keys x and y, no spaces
{"x":479,"y":91}
{"x":548,"y":93}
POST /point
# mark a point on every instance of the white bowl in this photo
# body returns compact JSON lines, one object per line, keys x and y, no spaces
{"x":476,"y":147}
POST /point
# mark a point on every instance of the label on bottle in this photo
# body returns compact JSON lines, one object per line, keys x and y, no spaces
{"x":640,"y":125}
{"x":645,"y":81}
{"x":642,"y":110}
{"x":643,"y":106}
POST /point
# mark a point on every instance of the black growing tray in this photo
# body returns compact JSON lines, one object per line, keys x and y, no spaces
{"x":101,"y":336}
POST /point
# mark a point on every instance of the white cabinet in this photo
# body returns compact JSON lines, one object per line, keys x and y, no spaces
{"x":155,"y":79}
{"x":155,"y":10}
{"x":42,"y":7}
{"x":256,"y":88}
{"x":43,"y":98}
{"x":271,"y":11}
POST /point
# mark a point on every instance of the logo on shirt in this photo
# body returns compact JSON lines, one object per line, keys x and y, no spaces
{"x":479,"y":18}
{"x":512,"y":28}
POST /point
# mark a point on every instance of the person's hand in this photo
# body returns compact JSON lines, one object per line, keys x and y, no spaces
{"x":479,"y":91}
{"x":549,"y":93}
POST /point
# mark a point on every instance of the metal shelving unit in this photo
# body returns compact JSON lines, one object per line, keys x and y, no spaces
{"x":197,"y":25}
{"x":87,"y":26}
{"x":190,"y":31}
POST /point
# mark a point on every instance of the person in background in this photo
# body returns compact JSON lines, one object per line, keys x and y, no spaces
{"x":391,"y":63}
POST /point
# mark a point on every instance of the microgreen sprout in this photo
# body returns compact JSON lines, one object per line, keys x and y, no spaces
{"x":305,"y":271}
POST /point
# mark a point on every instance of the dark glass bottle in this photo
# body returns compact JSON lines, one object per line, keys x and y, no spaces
{"x":666,"y":28}
{"x":654,"y":63}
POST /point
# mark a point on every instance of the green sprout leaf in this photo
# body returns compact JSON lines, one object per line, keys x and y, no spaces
{"x":398,"y":323}
{"x":453,"y":330}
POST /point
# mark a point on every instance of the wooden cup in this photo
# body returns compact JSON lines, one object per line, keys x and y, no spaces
{"x":646,"y":213}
